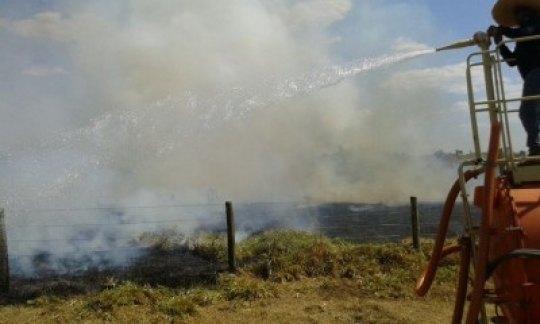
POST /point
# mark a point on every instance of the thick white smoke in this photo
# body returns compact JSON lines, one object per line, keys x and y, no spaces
{"x":179,"y":98}
{"x":138,"y":103}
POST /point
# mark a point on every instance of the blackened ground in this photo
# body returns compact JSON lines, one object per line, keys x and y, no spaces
{"x":173,"y":268}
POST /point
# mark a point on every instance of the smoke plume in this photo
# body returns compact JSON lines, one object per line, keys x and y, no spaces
{"x":138,"y":103}
{"x":130,"y":98}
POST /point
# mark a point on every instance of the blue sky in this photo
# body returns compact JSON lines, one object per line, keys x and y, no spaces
{"x":439,"y":22}
{"x":462,"y":17}
{"x":127,"y":91}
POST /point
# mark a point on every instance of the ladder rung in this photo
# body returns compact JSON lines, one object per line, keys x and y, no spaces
{"x":491,"y":296}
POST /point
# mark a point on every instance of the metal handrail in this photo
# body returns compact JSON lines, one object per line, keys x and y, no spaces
{"x":497,"y":105}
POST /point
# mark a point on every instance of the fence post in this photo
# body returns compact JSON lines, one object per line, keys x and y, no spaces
{"x":415,"y":223}
{"x":230,"y":236}
{"x":4,"y":260}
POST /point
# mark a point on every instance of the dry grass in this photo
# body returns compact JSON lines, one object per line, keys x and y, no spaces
{"x":284,"y":277}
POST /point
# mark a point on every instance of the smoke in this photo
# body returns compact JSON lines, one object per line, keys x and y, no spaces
{"x":137,"y":103}
{"x":142,"y":102}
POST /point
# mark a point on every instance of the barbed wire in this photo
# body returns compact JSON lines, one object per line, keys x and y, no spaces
{"x":215,"y":204}
{"x":314,"y":220}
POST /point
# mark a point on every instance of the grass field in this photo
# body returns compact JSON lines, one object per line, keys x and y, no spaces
{"x":283,"y":277}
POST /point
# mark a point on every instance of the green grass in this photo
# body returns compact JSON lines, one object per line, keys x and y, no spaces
{"x":388,"y":269}
{"x":310,"y":277}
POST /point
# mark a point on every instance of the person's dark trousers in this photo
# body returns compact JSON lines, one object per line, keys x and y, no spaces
{"x":529,"y":111}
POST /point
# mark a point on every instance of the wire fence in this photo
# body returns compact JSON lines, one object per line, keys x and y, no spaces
{"x":355,"y":222}
{"x":77,"y":240}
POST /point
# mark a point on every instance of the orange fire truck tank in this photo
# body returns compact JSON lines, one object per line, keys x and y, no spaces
{"x":500,"y":252}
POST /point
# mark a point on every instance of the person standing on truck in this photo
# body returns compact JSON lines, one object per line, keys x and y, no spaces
{"x":518,"y":19}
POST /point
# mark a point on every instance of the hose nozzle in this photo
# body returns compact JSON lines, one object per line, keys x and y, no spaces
{"x":458,"y":44}
{"x":479,"y":38}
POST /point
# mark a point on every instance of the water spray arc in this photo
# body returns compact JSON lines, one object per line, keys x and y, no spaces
{"x":504,"y":245}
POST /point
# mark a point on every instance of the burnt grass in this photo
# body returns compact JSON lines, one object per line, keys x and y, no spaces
{"x":383,"y":223}
{"x":356,"y":222}
{"x":179,"y":267}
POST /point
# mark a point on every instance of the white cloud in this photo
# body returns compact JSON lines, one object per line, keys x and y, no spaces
{"x":448,"y":83}
{"x":449,"y":79}
{"x":45,"y":24}
{"x":402,"y":44}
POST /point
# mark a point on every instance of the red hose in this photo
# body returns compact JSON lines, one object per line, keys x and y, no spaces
{"x":461,"y":291}
{"x":426,"y":279}
{"x":481,"y":258}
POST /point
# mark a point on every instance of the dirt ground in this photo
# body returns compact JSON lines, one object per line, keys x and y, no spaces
{"x":340,"y":304}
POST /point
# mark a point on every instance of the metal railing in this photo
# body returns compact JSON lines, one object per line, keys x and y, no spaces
{"x":496,"y":104}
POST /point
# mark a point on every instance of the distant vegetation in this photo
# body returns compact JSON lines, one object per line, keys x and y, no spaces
{"x":459,"y":156}
{"x":283,"y":276}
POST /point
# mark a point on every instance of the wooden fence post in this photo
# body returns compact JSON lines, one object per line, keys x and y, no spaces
{"x":415,"y":223}
{"x":4,"y":259}
{"x":230,"y":236}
